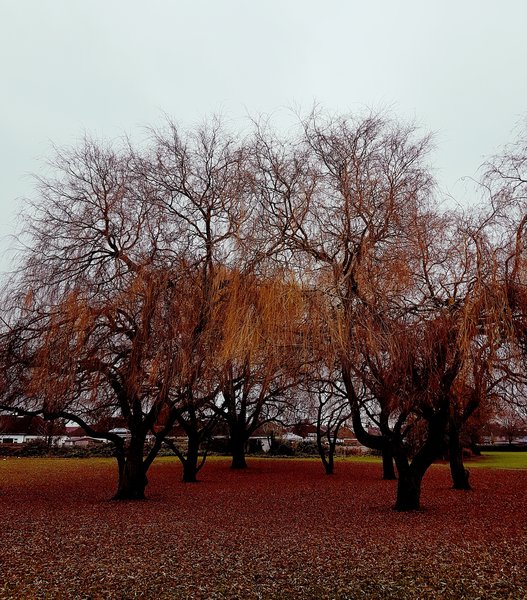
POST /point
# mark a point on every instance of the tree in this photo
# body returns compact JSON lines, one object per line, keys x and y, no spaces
{"x":260,"y":359}
{"x":207,"y":278}
{"x":104,"y":326}
{"x":329,"y":403}
{"x":349,"y":217}
{"x":505,"y":181}
{"x":414,"y":391}
{"x":92,"y":361}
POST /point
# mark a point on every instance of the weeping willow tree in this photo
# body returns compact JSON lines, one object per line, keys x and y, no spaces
{"x":88,"y":361}
{"x":261,"y":357}
{"x":404,"y":301}
{"x":116,"y":284}
{"x":351,"y":221}
{"x":203,"y":277}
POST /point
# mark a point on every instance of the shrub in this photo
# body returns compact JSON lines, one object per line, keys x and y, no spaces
{"x":280,"y":448}
{"x":39,"y":448}
{"x":305,"y":447}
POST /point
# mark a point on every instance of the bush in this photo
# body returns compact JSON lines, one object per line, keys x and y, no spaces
{"x":39,"y":448}
{"x":100,"y":450}
{"x":350,"y":451}
{"x":502,"y":448}
{"x":219,"y":446}
{"x":33,"y":448}
{"x":254,"y":447}
{"x":280,"y":448}
{"x":305,"y":447}
{"x":372,"y":452}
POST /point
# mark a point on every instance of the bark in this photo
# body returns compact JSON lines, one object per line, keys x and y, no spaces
{"x":375,"y":442}
{"x":408,"y":490}
{"x":411,"y":473}
{"x":132,"y":476}
{"x":329,"y":463}
{"x":121,"y":461}
{"x":459,"y":474}
{"x":325,"y":457}
{"x":388,"y":470}
{"x":474,"y":448}
{"x":190,"y":463}
{"x":190,"y":472}
{"x":237,"y":443}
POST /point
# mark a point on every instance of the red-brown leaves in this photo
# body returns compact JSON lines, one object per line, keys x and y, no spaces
{"x":282,"y":529}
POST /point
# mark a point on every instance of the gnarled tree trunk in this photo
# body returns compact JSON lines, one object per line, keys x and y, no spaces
{"x":329,"y":465}
{"x":132,"y":475}
{"x":388,"y":469}
{"x":411,"y":473}
{"x":459,"y":474}
{"x":237,"y":446}
{"x":408,"y":489}
{"x":190,"y":463}
{"x":327,"y":457}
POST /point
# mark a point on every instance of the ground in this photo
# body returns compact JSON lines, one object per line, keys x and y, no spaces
{"x":282,"y":529}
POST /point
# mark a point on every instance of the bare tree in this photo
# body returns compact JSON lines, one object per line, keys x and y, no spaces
{"x":329,"y":408}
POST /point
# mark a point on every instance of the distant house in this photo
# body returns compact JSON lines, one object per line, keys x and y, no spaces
{"x":289,"y":436}
{"x":76,"y":436}
{"x":346,"y":437}
{"x":84,"y":441}
{"x":308,"y":432}
{"x":305,"y":430}
{"x":16,"y":429}
{"x":121,"y":432}
{"x":262,"y":437}
{"x":22,"y":429}
{"x":508,"y":432}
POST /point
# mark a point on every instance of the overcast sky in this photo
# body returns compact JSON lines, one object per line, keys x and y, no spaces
{"x":109,"y":67}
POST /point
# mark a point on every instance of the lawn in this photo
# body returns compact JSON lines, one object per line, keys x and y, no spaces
{"x":282,"y":529}
{"x":499,"y":460}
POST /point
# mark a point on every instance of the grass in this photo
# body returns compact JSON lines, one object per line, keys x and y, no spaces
{"x":499,"y":460}
{"x":489,"y":460}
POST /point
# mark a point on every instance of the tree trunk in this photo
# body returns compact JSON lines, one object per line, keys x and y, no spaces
{"x":388,"y":470}
{"x":237,"y":443}
{"x":326,"y":458}
{"x":132,"y":480}
{"x":409,"y":482}
{"x":408,"y":490}
{"x":329,"y":462}
{"x":190,"y":463}
{"x":121,"y":461}
{"x":411,"y":473}
{"x":458,"y":472}
{"x":474,"y":448}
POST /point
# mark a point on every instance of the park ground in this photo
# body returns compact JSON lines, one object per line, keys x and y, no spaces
{"x":282,"y":529}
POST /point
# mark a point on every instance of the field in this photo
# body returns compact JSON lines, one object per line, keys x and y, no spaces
{"x":500,"y":460}
{"x":282,"y":529}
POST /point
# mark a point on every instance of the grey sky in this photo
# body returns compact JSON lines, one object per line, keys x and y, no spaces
{"x":111,"y":66}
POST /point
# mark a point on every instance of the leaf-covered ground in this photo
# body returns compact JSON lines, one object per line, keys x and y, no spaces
{"x":282,"y":529}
